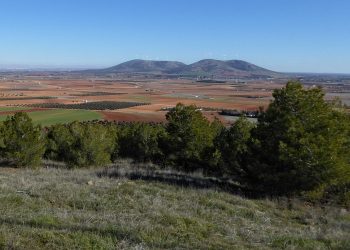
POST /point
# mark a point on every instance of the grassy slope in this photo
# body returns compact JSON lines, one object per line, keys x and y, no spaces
{"x":70,"y":209}
{"x":49,"y":117}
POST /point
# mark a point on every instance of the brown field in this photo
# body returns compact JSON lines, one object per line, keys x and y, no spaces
{"x":160,"y":94}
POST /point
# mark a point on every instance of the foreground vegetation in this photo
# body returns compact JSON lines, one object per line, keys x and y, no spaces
{"x":183,"y":190}
{"x":94,"y":209}
{"x":299,"y":146}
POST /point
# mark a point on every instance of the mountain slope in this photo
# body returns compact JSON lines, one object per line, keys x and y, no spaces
{"x":207,"y":67}
{"x":236,"y":68}
{"x":145,"y":66}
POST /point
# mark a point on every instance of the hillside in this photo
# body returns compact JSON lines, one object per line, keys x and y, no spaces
{"x":233,"y":68}
{"x":145,"y":66}
{"x":207,"y":67}
{"x":89,"y":209}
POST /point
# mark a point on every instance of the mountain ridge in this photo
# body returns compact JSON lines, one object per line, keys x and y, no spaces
{"x":145,"y":66}
{"x":205,"y":68}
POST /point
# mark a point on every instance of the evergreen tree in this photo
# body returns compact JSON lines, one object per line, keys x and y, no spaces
{"x":233,"y":147}
{"x":190,"y":135}
{"x":22,"y":142}
{"x":301,"y":143}
{"x":140,"y":141}
{"x":81,"y":144}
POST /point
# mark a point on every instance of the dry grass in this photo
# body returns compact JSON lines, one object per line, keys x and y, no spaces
{"x":82,"y":209}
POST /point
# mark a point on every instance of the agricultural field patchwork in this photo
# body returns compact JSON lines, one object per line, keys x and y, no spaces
{"x":104,"y":105}
{"x":125,"y":99}
{"x":12,"y":108}
{"x":55,"y":116}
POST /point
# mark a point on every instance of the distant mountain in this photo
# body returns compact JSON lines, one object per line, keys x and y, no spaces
{"x":207,"y":67}
{"x":145,"y":66}
{"x":233,"y":68}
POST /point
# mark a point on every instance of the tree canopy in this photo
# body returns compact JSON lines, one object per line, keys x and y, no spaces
{"x":22,"y":142}
{"x":190,"y":134}
{"x":300,"y":143}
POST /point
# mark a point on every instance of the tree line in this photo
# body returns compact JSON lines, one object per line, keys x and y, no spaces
{"x":299,"y":145}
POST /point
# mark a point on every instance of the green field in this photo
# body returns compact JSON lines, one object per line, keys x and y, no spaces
{"x":50,"y":117}
{"x":235,"y":118}
{"x":10,"y":108}
{"x":77,"y":209}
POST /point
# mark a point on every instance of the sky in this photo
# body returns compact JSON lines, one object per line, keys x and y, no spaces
{"x":282,"y":35}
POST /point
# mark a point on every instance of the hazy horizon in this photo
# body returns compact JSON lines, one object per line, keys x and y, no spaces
{"x":278,"y":35}
{"x":20,"y":67}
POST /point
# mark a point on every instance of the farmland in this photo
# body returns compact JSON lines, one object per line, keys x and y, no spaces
{"x":120,"y":204}
{"x":104,"y":105}
{"x":79,"y":92}
{"x":54,"y":116}
{"x":12,"y":109}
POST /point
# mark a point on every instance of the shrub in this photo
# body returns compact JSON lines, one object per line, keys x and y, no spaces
{"x":189,"y":137}
{"x":81,"y":144}
{"x":301,"y":143}
{"x":22,"y":142}
{"x":233,"y":146}
{"x":140,"y":141}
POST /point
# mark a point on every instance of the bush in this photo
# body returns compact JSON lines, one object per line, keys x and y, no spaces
{"x":337,"y":194}
{"x":140,"y":141}
{"x":189,"y":137}
{"x":81,"y":144}
{"x":301,"y":143}
{"x":232,"y":145}
{"x":22,"y":142}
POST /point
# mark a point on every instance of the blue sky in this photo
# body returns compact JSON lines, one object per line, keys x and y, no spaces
{"x":283,"y":35}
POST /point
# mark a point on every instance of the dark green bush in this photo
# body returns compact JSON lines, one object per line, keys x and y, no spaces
{"x":232,"y":144}
{"x":140,"y":141}
{"x":189,"y":137}
{"x":301,"y":143}
{"x":81,"y":144}
{"x":21,"y":142}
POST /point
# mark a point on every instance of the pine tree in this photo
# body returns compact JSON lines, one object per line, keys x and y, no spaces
{"x":22,"y":142}
{"x":301,"y":142}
